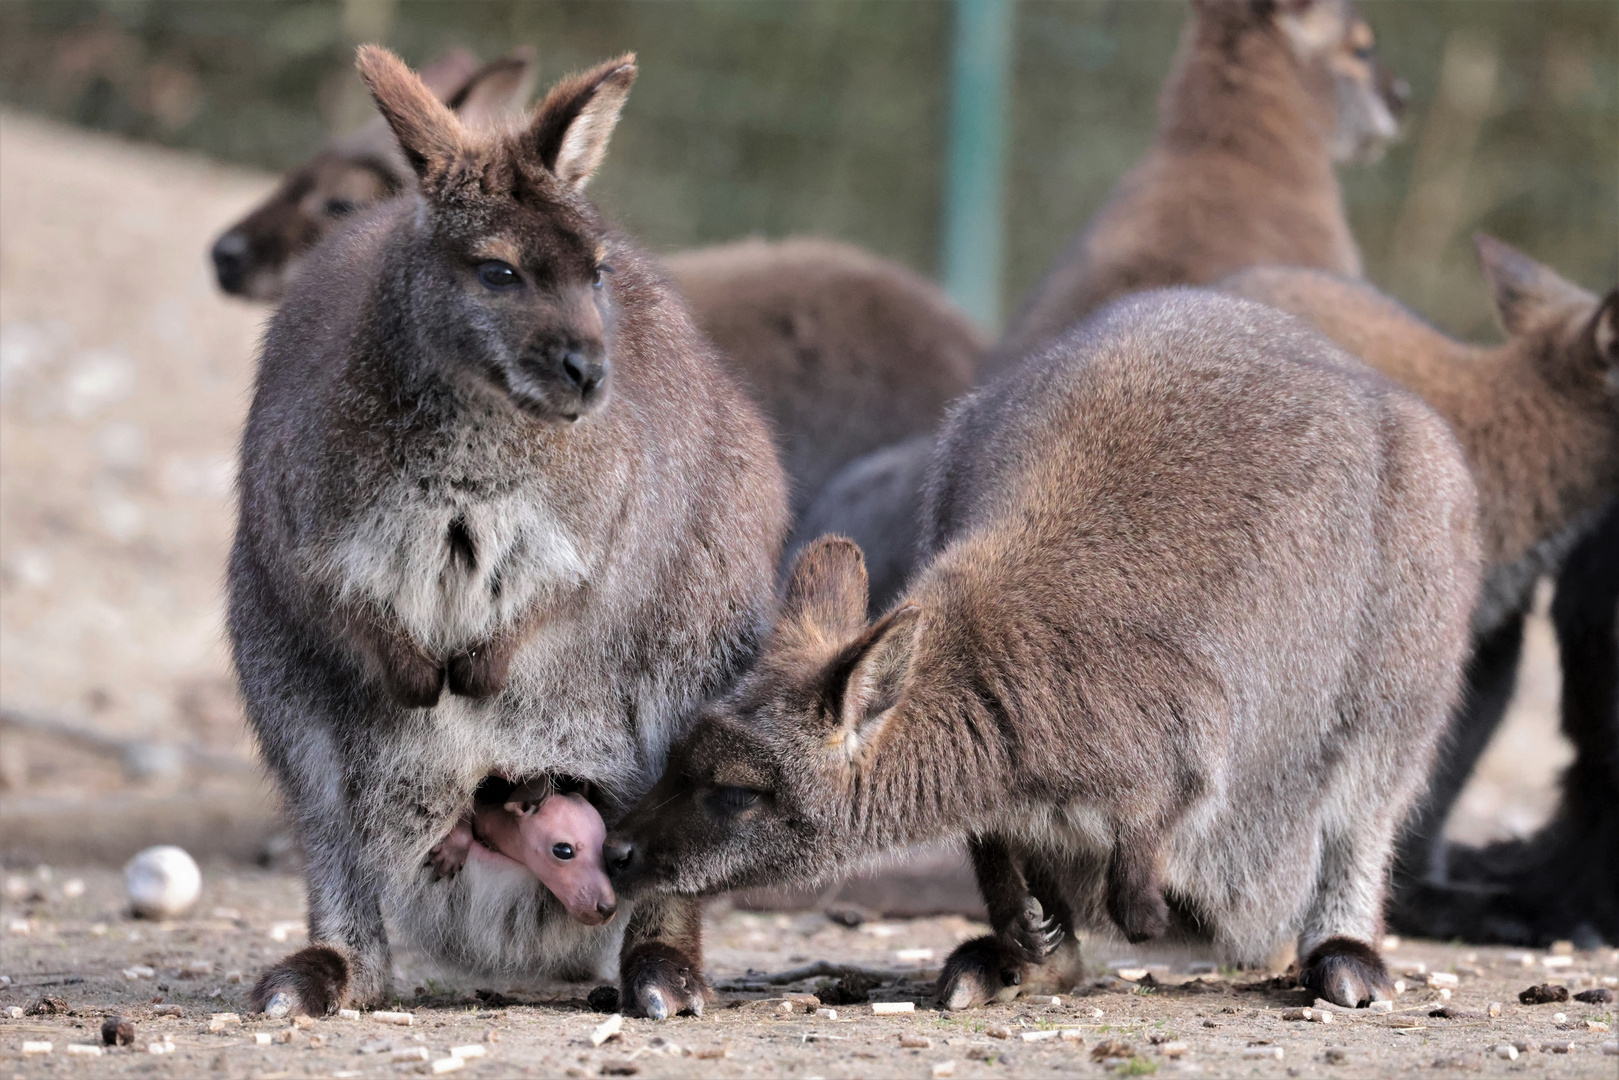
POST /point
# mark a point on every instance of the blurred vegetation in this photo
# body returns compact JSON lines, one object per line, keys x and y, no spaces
{"x":773,"y":117}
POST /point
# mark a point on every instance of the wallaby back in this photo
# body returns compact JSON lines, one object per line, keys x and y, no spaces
{"x":503,"y":513}
{"x":1262,"y":98}
{"x":844,"y":352}
{"x":1537,"y":415}
{"x":1119,"y":670}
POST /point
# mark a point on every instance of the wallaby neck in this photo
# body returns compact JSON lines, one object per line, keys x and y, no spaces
{"x":1238,"y":92}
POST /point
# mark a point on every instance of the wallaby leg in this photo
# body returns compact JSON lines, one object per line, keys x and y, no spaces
{"x":994,"y":967}
{"x":1135,"y":891}
{"x":347,"y":962}
{"x":661,"y":967}
{"x":1336,"y":944}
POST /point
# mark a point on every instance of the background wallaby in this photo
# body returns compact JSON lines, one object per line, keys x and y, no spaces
{"x":258,"y":255}
{"x":502,"y":515}
{"x":1118,"y":676}
{"x":1262,"y":98}
{"x":844,"y":351}
{"x":1538,"y":417}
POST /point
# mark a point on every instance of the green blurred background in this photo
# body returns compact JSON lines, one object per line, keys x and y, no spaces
{"x":773,"y":117}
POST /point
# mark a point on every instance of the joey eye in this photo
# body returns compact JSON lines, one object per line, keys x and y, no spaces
{"x":601,"y":269}
{"x":733,"y":800}
{"x":495,"y":274}
{"x":562,"y":851}
{"x":339,"y":207}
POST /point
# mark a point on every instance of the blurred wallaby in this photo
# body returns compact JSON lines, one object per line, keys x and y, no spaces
{"x":1121,"y":677}
{"x":1261,"y":100}
{"x":258,"y":255}
{"x":503,"y":515}
{"x":1538,"y":417}
{"x":844,"y":352}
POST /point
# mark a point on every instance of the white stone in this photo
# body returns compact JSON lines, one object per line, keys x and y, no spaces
{"x":470,"y":1050}
{"x":409,"y":1053}
{"x":943,"y":1069}
{"x":36,"y":1047}
{"x":84,"y":1049}
{"x":163,"y":882}
{"x":884,"y":1008}
{"x":1257,"y":1053}
{"x":1507,"y":1051}
{"x":402,"y":1019}
{"x":447,"y":1064}
{"x":607,"y":1029}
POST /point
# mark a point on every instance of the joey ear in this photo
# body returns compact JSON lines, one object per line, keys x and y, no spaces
{"x":427,"y":130}
{"x":867,"y":680}
{"x":827,"y":588}
{"x":1525,"y":292}
{"x":571,"y":127}
{"x":448,"y":75}
{"x":1603,"y":332}
{"x":496,"y":90}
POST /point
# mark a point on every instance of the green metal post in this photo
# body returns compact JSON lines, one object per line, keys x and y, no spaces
{"x":975,"y":177}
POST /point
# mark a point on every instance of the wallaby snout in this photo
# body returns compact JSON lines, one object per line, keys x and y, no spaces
{"x":561,"y":376}
{"x":232,"y":257}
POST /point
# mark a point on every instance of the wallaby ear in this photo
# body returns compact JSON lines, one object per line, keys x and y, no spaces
{"x":868,"y":679}
{"x":571,"y":127}
{"x":496,"y":90}
{"x":827,"y":589}
{"x":427,"y":130}
{"x":1525,"y":292}
{"x":448,"y":75}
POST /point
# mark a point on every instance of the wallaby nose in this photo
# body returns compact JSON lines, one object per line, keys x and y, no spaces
{"x":618,"y":854}
{"x":1397,"y":92}
{"x":585,"y":374}
{"x":232,"y":255}
{"x":605,"y":908}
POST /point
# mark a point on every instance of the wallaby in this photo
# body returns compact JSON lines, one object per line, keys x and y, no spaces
{"x":1261,"y":100}
{"x":845,"y":352}
{"x":1195,"y":618}
{"x":258,"y":255}
{"x":1538,"y":417}
{"x":503,"y":515}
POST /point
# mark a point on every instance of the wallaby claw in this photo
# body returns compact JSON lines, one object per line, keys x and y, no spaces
{"x":1034,"y":936}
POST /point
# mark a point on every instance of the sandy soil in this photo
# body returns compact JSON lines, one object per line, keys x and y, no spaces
{"x":76,"y":951}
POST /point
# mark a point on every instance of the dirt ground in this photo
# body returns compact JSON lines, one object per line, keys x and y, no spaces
{"x":124,"y":376}
{"x":81,"y":955}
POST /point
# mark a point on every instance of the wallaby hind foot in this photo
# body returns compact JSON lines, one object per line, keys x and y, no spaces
{"x":1347,"y":972}
{"x":311,"y":982}
{"x":660,"y":981}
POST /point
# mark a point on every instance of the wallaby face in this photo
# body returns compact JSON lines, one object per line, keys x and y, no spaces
{"x":255,"y":257}
{"x":754,"y":795}
{"x":508,"y":272}
{"x":1357,"y":98}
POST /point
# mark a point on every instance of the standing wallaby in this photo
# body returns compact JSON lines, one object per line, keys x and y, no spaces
{"x":1539,"y":420}
{"x":257,"y":256}
{"x":1262,"y":98}
{"x":1194,"y":622}
{"x":503,"y":517}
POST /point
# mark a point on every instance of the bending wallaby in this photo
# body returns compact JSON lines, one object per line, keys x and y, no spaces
{"x":257,"y":256}
{"x":1539,"y":420}
{"x":503,"y":515}
{"x":1262,"y":98}
{"x":1118,"y":678}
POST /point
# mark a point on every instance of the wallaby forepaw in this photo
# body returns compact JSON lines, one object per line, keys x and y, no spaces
{"x":1033,"y":937}
{"x":313,"y":982}
{"x":1348,"y":973}
{"x":660,"y":982}
{"x":479,"y":672}
{"x":977,"y":973}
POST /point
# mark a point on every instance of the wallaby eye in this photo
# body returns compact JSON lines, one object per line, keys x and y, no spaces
{"x":1365,"y":53}
{"x":339,"y":207}
{"x":562,"y":851}
{"x":733,"y":800}
{"x":601,"y":269}
{"x":495,"y":274}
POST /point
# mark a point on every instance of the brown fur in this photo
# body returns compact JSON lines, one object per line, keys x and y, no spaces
{"x":1117,"y":678}
{"x":1538,"y":415}
{"x":845,"y":352}
{"x":537,"y":490}
{"x":1261,"y":99}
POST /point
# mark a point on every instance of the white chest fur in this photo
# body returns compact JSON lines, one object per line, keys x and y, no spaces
{"x":453,"y":567}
